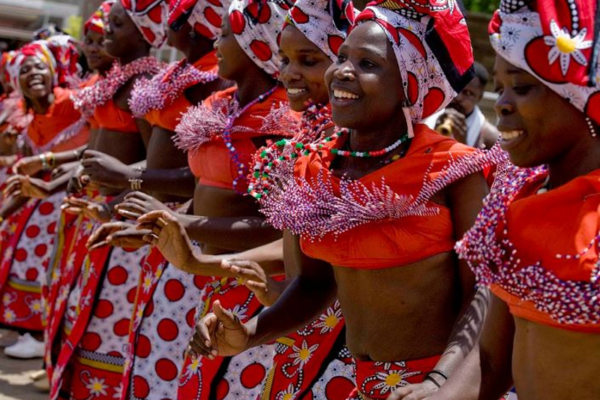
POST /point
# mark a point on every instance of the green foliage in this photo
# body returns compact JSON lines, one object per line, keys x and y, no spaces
{"x":73,"y":26}
{"x":485,"y":6}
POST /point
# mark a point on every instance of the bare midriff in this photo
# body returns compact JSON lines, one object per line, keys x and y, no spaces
{"x":125,"y":147}
{"x":162,"y":154}
{"x":401,"y":313}
{"x":210,"y":201}
{"x":555,"y":364}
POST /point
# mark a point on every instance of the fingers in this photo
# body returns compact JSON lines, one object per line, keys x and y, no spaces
{"x":138,"y":195}
{"x":202,"y":342}
{"x":151,"y":239}
{"x":226,"y":317}
{"x":245,"y":270}
{"x":129,"y":212}
{"x":127,"y":238}
{"x":152,"y":217}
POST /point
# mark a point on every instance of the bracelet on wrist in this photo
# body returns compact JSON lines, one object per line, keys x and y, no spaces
{"x":438,"y":372}
{"x":430,"y":379}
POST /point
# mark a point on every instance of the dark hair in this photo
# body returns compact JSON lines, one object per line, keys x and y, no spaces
{"x":482,"y":73}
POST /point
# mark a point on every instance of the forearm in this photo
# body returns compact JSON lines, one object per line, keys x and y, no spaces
{"x":174,"y":182}
{"x":12,"y":205}
{"x":68,"y":156}
{"x":269,"y":256}
{"x":232,"y":233}
{"x":465,"y":333}
{"x":302,"y":302}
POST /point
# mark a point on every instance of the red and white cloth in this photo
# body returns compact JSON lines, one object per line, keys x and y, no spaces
{"x":432,"y":46}
{"x":150,"y":16}
{"x":324,"y":22}
{"x":257,"y":25}
{"x":204,"y":16}
{"x":97,"y":21}
{"x":554,"y":41}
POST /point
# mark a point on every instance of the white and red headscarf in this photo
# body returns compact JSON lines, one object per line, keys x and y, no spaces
{"x":204,"y":16}
{"x":58,"y":52}
{"x":150,"y":16}
{"x":257,"y":25}
{"x":433,"y":49}
{"x":97,"y":21}
{"x":324,"y":22}
{"x":557,"y":42}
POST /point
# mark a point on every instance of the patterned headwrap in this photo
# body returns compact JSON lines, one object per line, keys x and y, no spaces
{"x":324,"y":22}
{"x":150,"y":17}
{"x":97,"y":21}
{"x":257,"y":25}
{"x":58,"y":52}
{"x":5,"y":63}
{"x":205,"y":16}
{"x":433,"y":48}
{"x":557,"y":42}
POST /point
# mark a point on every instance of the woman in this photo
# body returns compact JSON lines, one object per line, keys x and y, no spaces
{"x":55,"y":125}
{"x":221,"y":136}
{"x":161,"y":101}
{"x":381,"y":261}
{"x":90,"y":347}
{"x":536,"y":240}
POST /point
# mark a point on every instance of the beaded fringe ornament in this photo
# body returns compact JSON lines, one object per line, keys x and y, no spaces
{"x":105,"y":89}
{"x":312,"y":209}
{"x":274,"y":162}
{"x":567,"y":302}
{"x":165,"y":87}
{"x":202,"y":124}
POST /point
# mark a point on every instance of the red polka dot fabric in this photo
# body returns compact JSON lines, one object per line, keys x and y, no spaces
{"x":150,"y":16}
{"x":554,"y":41}
{"x":432,"y":46}
{"x":204,"y":16}
{"x":257,"y":25}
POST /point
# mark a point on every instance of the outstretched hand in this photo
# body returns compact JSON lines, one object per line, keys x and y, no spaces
{"x":89,"y":209}
{"x":416,"y":391}
{"x":253,"y":276}
{"x":25,"y":186}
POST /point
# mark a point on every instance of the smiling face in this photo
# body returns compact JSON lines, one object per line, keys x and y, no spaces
{"x":121,"y":33}
{"x":93,"y":49}
{"x":365,"y":86}
{"x":302,"y":69}
{"x":35,"y":78}
{"x":537,"y":125}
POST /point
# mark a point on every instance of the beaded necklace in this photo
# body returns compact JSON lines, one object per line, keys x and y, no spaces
{"x":105,"y":89}
{"x":262,"y":180}
{"x":234,"y":156}
{"x":166,"y":87}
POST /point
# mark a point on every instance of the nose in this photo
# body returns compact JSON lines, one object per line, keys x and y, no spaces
{"x":289,"y":73}
{"x":504,"y":105}
{"x":344,"y":71}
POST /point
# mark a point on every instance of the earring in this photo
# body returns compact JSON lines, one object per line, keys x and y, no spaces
{"x":591,"y":126}
{"x":193,"y":34}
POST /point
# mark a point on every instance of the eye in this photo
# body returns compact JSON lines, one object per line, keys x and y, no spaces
{"x":341,"y":58}
{"x":522,"y":89}
{"x":367,"y":64}
{"x":309,"y":62}
{"x":285,"y":61}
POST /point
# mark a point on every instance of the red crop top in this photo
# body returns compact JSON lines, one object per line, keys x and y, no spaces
{"x":112,"y":118}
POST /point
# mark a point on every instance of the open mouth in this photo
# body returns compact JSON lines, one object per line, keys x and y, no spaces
{"x":511,"y":135}
{"x":344,"y":95}
{"x":36,"y":82}
{"x":295,"y":91}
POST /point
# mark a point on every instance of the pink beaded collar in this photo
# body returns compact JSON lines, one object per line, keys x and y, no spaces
{"x":105,"y":89}
{"x":165,"y":87}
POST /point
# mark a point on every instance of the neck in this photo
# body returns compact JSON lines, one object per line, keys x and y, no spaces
{"x":578,"y":161}
{"x":380,"y":135}
{"x":42,"y":105}
{"x":135,"y":54}
{"x":198,"y":48}
{"x":250,"y":89}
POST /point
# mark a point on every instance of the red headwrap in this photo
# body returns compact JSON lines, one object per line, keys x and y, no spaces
{"x":97,"y":20}
{"x":558,"y":42}
{"x":150,"y":17}
{"x":58,"y":52}
{"x":433,"y":49}
{"x":205,"y":16}
{"x":324,"y":22}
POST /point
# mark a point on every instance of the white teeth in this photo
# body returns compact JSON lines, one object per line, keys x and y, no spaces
{"x":510,"y":135}
{"x":295,"y":91}
{"x":344,"y":95}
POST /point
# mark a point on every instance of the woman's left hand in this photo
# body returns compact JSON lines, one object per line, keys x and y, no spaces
{"x":137,"y":204}
{"x":25,"y":186}
{"x":105,"y":170}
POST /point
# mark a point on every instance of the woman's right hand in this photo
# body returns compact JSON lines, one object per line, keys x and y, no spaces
{"x":266,"y":289}
{"x":220,"y":333}
{"x":89,"y":209}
